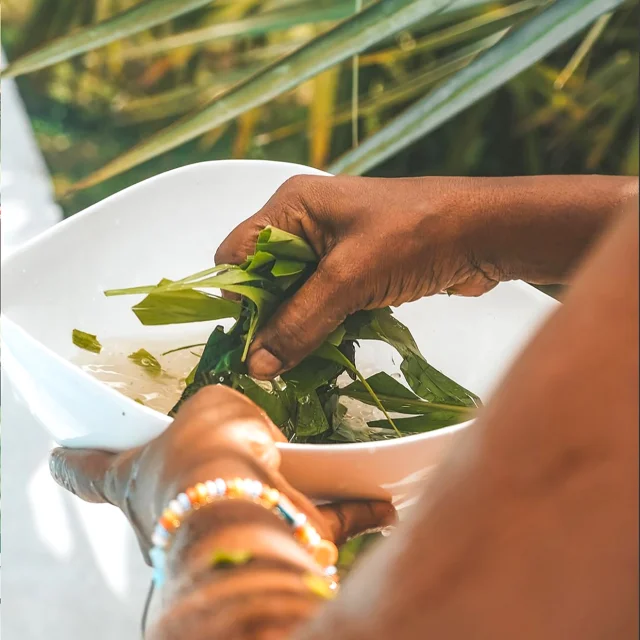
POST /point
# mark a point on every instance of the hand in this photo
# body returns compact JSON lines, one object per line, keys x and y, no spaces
{"x":381,"y":242}
{"x":218,"y":433}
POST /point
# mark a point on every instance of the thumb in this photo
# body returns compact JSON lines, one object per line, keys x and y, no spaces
{"x":82,"y":472}
{"x":348,"y":520}
{"x":302,"y":323}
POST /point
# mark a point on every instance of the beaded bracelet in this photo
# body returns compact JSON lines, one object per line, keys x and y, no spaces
{"x":324,"y":552}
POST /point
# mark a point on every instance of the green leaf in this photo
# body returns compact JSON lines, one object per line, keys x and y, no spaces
{"x":426,"y":422}
{"x":431,"y":384}
{"x":273,"y":403}
{"x":312,"y":373}
{"x":284,"y":245}
{"x":134,"y":20}
{"x":178,"y":307}
{"x":148,"y":362}
{"x":336,"y":336}
{"x":283,"y":268}
{"x":375,"y":23}
{"x":425,"y":380}
{"x":329,"y":352}
{"x":230,"y":557}
{"x":395,"y":397}
{"x":218,"y":346}
{"x":310,"y":418}
{"x":86,"y":341}
{"x":519,"y":50}
{"x":258,"y":260}
{"x":259,"y":24}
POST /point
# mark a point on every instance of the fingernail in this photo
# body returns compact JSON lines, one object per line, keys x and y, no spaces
{"x":263,"y":364}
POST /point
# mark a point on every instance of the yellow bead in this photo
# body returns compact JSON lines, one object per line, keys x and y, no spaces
{"x":325,"y":553}
{"x":270,"y":497}
{"x":202,"y":493}
{"x":235,"y":488}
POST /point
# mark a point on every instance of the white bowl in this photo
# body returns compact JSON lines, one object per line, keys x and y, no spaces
{"x":169,"y":226}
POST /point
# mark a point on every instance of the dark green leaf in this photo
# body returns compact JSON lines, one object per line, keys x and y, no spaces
{"x":422,"y":423}
{"x":395,"y":397}
{"x":312,"y":373}
{"x":273,"y":403}
{"x":310,"y":418}
{"x":431,"y":384}
{"x":86,"y":341}
{"x":148,"y":362}
{"x":425,"y":380}
{"x":218,"y":346}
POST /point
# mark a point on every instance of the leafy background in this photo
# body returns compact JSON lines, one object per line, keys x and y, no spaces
{"x":575,"y":111}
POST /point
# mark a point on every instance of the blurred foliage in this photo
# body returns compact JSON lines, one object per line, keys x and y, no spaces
{"x":574,"y":112}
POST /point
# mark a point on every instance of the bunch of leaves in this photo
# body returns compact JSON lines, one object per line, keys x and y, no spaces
{"x":305,"y":401}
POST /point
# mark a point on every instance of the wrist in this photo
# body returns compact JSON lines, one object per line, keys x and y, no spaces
{"x":537,"y":228}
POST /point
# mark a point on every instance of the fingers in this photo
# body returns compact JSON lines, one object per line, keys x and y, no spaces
{"x":350,"y":519}
{"x":83,"y":472}
{"x":302,"y":323}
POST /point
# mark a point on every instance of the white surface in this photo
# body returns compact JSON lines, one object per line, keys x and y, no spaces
{"x":169,"y":226}
{"x":71,"y":571}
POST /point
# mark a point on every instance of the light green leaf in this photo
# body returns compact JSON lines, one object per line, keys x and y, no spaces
{"x":519,"y":50}
{"x":284,"y":245}
{"x":134,"y":20}
{"x":283,"y":268}
{"x":178,"y":307}
{"x":375,"y":23}
{"x":86,"y":341}
{"x":147,"y":361}
{"x":255,"y":25}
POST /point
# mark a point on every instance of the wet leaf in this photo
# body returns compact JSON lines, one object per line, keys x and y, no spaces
{"x":86,"y":341}
{"x":148,"y":362}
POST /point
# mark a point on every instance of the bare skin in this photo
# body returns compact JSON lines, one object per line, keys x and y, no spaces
{"x":384,"y":242}
{"x":529,"y":529}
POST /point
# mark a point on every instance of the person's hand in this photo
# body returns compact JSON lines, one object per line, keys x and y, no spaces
{"x":217,"y":433}
{"x":381,"y":242}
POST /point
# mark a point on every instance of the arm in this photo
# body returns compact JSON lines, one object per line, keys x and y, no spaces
{"x":384,"y":242}
{"x":538,"y":228}
{"x":530,"y":530}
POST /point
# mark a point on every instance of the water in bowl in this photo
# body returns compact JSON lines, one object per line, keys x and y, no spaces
{"x":114,"y":368}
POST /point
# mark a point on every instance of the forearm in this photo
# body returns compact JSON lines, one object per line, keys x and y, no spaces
{"x":265,"y":595}
{"x":538,"y":228}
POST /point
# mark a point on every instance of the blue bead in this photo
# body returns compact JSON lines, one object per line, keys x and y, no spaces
{"x":183,"y":500}
{"x":158,"y":558}
{"x":288,"y":516}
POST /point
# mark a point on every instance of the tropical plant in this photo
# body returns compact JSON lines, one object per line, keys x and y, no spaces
{"x":278,"y":78}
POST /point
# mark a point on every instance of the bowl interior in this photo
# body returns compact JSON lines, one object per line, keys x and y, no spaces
{"x":169,"y":226}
